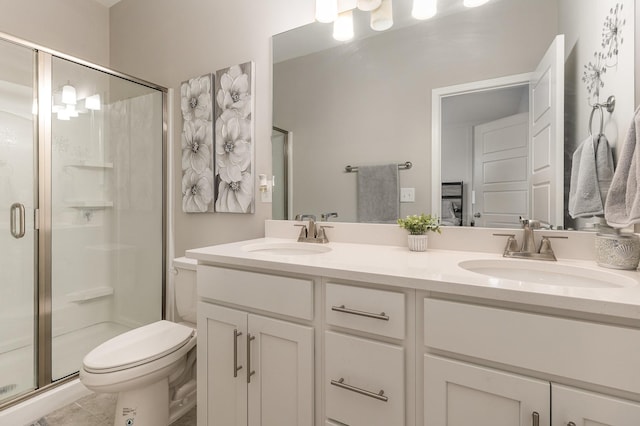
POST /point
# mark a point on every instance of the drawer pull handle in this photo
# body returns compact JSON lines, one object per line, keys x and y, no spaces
{"x":236,"y":367}
{"x":341,"y":384}
{"x":381,"y":316}
{"x":571,"y":424}
{"x":536,"y":418}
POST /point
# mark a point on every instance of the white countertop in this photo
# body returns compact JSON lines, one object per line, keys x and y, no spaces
{"x":434,"y":271}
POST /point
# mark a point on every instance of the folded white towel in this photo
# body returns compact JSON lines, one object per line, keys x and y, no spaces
{"x":622,"y":207}
{"x":591,"y":174}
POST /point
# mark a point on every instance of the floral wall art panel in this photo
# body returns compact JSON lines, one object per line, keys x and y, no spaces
{"x":197,"y":144}
{"x":234,"y":175}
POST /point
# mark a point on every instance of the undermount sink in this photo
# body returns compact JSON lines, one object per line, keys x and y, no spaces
{"x":540,"y":272}
{"x":287,"y":248}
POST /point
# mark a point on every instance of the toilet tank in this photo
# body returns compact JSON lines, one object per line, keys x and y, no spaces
{"x":185,"y":289}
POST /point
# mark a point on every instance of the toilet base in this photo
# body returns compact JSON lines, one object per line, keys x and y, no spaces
{"x":143,"y":407}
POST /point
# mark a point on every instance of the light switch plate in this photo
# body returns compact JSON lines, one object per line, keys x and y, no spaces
{"x":407,"y":195}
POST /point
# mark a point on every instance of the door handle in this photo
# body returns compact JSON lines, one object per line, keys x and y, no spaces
{"x":236,"y":367}
{"x":536,"y":418}
{"x":19,"y":209}
{"x":249,"y":371}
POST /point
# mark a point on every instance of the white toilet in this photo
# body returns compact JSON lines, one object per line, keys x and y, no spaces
{"x":151,"y":368}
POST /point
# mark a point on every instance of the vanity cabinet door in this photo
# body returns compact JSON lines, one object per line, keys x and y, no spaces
{"x":222,"y":398}
{"x":586,"y":408}
{"x":281,"y":389}
{"x":461,"y":394}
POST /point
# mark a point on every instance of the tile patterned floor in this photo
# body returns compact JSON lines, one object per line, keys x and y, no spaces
{"x":96,"y":410}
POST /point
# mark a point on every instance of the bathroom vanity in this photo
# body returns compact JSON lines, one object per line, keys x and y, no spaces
{"x":370,"y":334}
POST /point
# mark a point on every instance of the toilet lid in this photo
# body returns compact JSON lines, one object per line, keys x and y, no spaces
{"x":138,"y":346}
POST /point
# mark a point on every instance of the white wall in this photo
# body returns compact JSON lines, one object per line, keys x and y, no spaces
{"x":582,"y":39}
{"x":168,"y":41}
{"x":76,"y":27}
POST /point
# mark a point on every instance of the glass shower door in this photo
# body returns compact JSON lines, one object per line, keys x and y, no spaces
{"x":18,"y":240}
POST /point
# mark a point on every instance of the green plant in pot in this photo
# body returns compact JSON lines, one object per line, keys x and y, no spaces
{"x":418,"y":227}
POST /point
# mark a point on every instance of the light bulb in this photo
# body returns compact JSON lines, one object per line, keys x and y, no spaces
{"x":326,"y":10}
{"x":424,"y":9}
{"x":474,"y":3}
{"x":343,"y":26}
{"x":382,"y":17}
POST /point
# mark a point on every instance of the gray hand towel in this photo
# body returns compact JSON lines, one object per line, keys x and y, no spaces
{"x":622,"y":207}
{"x":591,"y":174}
{"x":378,"y":194}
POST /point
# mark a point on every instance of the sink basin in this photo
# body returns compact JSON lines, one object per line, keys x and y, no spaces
{"x":287,"y":248}
{"x":540,"y":272}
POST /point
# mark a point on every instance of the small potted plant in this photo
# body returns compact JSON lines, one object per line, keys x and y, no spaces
{"x":418,"y":226}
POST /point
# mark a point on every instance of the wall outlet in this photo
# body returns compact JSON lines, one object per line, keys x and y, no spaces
{"x":407,"y":195}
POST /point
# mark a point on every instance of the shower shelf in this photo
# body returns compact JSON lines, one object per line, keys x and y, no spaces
{"x":91,"y":165}
{"x":89,"y":294}
{"x":79,"y":204}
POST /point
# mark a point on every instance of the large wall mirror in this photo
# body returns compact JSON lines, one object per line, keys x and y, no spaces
{"x":427,"y":92}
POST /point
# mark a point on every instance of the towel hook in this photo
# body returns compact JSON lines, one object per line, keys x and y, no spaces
{"x":599,"y":108}
{"x":609,"y":105}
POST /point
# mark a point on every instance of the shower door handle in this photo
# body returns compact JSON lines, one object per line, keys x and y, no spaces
{"x":19,"y":209}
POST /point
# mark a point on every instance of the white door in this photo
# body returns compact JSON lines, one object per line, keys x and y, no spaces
{"x":222,"y":380}
{"x":501,"y":171}
{"x":461,"y":394}
{"x":591,"y":409}
{"x":281,"y":387}
{"x":546,"y":109}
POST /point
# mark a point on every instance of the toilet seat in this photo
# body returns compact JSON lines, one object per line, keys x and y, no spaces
{"x":136,"y":347}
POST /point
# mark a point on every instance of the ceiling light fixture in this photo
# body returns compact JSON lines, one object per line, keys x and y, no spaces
{"x":92,"y":102}
{"x":69,"y":94}
{"x":424,"y":9}
{"x":340,"y":12}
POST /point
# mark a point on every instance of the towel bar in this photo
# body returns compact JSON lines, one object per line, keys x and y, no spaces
{"x":403,"y":166}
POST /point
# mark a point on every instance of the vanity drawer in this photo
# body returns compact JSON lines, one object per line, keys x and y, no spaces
{"x":365,"y":309}
{"x":601,"y":354}
{"x":273,"y":293}
{"x":354,"y":365}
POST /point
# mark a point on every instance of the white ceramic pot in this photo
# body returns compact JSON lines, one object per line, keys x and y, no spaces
{"x":418,"y":242}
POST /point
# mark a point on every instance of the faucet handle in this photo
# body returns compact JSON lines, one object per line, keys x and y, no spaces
{"x":303,"y":232}
{"x":512,"y":243}
{"x":322,"y":236}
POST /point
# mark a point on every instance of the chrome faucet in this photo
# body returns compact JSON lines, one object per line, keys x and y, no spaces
{"x":311,"y":233}
{"x":324,"y":217}
{"x":528,"y":249}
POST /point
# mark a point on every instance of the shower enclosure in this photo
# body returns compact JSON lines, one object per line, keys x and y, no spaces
{"x":81,"y":212}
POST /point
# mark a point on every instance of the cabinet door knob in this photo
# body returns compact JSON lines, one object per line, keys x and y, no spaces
{"x":536,"y":418}
{"x":236,"y":367}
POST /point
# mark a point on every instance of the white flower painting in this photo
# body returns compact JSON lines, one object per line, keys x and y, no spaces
{"x":197,"y":145}
{"x":234,"y":176}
